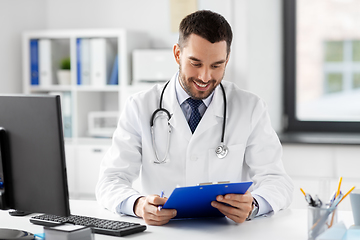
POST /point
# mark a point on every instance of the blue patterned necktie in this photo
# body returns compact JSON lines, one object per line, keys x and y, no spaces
{"x":195,"y":114}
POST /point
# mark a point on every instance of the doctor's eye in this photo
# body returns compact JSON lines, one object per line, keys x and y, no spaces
{"x":196,"y":64}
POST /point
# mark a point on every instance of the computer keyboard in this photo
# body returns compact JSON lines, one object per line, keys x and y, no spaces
{"x":101,"y":226}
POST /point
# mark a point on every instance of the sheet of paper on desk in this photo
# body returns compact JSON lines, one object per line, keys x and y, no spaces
{"x":353,"y":233}
{"x":195,"y":201}
{"x":337,"y":232}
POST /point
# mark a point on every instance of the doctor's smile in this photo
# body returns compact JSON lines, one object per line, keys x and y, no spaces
{"x":202,"y":87}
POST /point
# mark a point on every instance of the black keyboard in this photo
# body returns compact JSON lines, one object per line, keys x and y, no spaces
{"x":101,"y":226}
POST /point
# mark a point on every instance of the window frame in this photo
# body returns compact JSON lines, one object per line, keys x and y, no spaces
{"x":291,"y":123}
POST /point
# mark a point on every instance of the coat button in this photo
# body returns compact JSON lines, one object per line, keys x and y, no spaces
{"x":194,"y":158}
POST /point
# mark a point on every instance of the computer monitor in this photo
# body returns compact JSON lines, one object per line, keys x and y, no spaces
{"x":32,"y":154}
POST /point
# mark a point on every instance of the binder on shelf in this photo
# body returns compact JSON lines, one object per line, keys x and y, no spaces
{"x":67,"y":116}
{"x":114,"y":78}
{"x":65,"y":99}
{"x":102,"y":55}
{"x":78,"y":61}
{"x":83,"y":61}
{"x":45,"y":63}
{"x":34,"y":62}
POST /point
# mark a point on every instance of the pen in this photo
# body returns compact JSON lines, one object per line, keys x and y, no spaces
{"x":338,"y":190}
{"x":336,"y":196}
{"x":318,"y":202}
{"x":347,"y":193}
{"x":161,"y":195}
{"x":334,"y":204}
{"x":342,"y":198}
{"x":308,"y":198}
{"x":303,"y":191}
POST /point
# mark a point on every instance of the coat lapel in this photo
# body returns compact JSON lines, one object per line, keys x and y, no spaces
{"x":177,"y":120}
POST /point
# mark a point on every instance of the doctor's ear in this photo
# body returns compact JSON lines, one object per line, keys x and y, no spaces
{"x":176,"y":51}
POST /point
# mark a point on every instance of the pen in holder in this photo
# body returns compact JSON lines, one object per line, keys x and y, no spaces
{"x":323,"y":217}
{"x":319,"y":219}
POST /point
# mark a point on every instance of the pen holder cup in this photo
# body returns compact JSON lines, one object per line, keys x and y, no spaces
{"x":319,"y":220}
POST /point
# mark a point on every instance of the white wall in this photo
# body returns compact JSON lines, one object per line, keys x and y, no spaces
{"x":16,"y":17}
{"x":265,"y":54}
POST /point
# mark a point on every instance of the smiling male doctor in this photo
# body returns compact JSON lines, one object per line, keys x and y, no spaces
{"x":254,"y":149}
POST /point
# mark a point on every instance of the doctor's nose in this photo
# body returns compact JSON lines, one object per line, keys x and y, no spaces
{"x":204,"y":75}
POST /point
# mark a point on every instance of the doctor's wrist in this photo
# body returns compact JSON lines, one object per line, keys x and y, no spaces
{"x":254,"y":210}
{"x":138,"y":206}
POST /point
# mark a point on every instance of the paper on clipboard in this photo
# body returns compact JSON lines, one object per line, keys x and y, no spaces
{"x":195,"y":201}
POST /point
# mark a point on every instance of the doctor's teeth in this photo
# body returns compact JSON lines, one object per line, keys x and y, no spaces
{"x":201,"y":85}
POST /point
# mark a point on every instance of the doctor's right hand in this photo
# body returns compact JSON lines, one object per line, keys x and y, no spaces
{"x":147,"y":208}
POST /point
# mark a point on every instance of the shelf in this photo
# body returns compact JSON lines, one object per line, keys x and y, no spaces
{"x":109,"y":88}
{"x":94,"y":141}
{"x":53,"y":88}
{"x":93,"y":57}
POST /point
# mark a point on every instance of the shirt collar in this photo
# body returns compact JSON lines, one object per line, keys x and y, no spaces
{"x":182,"y":95}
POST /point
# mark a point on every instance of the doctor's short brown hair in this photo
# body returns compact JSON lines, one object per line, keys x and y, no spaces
{"x":206,"y":24}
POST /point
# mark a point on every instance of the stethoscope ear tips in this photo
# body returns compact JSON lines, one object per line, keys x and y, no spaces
{"x":221,"y":151}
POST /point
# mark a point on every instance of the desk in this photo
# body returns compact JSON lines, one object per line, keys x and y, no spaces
{"x":287,"y":224}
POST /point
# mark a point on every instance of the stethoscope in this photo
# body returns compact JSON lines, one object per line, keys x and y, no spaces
{"x":221,"y":151}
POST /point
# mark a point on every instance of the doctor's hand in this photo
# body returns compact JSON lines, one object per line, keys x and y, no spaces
{"x":147,"y":208}
{"x":240,"y":206}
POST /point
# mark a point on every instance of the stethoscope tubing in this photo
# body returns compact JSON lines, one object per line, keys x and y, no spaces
{"x":224,"y":121}
{"x":222,"y":146}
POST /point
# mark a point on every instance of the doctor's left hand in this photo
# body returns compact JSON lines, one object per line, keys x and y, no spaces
{"x":147,"y":208}
{"x":240,"y":206}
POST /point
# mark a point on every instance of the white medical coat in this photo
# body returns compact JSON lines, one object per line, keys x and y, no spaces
{"x":254,"y":149}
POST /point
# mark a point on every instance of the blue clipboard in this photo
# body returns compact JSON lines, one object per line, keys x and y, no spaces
{"x":195,"y":201}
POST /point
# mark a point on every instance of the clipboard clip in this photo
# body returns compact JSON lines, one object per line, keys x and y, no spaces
{"x":212,"y":183}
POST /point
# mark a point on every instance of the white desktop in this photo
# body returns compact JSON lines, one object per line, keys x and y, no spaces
{"x":286,"y":224}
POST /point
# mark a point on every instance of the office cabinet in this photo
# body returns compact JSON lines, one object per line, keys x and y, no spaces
{"x":92,"y":95}
{"x":70,"y":168}
{"x":88,"y":159}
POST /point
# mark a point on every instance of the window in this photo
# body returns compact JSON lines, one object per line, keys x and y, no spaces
{"x":322,"y":65}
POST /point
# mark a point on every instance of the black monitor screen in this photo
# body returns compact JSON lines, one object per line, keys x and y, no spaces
{"x":33,"y":155}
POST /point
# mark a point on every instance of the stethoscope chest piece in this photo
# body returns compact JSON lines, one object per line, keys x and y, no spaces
{"x":221,"y":151}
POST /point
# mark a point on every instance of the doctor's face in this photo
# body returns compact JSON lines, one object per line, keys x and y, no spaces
{"x":202,"y":65}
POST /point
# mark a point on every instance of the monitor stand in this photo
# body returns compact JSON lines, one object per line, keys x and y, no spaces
{"x":17,"y":213}
{"x":8,"y":234}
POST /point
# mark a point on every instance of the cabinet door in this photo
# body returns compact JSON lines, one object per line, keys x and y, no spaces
{"x":88,"y":159}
